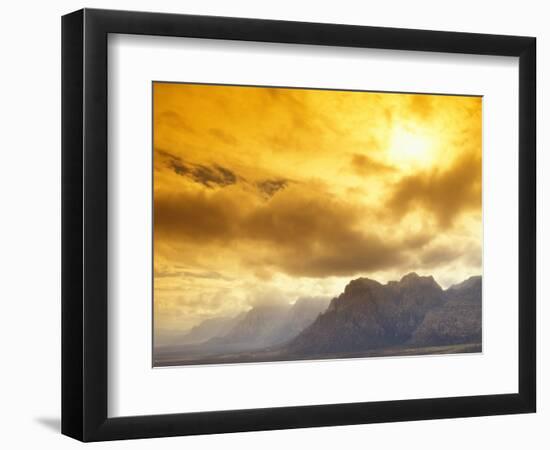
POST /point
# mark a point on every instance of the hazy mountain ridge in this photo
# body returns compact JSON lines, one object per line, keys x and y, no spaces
{"x":210,"y":328}
{"x":413,"y":311}
{"x":411,"y":316}
{"x":261,"y":327}
{"x":257,"y":327}
{"x":272,"y":324}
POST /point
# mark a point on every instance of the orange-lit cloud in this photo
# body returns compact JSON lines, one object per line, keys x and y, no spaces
{"x":262,"y":190}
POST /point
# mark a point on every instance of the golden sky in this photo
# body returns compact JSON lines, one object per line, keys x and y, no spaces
{"x":268,"y":194}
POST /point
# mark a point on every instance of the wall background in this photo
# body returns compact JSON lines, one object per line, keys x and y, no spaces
{"x":30,"y":222}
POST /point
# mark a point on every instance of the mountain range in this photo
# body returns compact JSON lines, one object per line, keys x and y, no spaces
{"x":268,"y":325}
{"x":262,"y":327}
{"x":415,"y":311}
{"x":210,"y":328}
{"x":410,"y":316}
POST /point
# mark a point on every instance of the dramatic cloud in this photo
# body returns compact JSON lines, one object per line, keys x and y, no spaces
{"x":270,"y":187}
{"x":208,"y":176}
{"x":267,"y":194}
{"x":305,"y":233}
{"x":444,"y":193}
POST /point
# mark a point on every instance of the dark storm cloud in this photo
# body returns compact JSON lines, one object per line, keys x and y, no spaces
{"x":215,"y":175}
{"x":302,"y":233}
{"x":209,"y":176}
{"x":444,"y":193}
{"x":271,"y":187}
{"x":306,"y":232}
{"x":196,"y":217}
{"x":179,"y":167}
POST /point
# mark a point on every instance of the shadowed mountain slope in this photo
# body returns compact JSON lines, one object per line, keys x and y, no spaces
{"x":457,"y":321}
{"x":415,"y":310}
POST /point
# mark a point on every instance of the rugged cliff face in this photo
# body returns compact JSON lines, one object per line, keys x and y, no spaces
{"x":457,"y":320}
{"x":413,"y":311}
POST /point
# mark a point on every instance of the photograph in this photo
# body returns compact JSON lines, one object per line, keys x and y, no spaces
{"x":299,"y":223}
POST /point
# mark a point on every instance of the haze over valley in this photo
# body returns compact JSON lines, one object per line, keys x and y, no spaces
{"x":411,"y":316}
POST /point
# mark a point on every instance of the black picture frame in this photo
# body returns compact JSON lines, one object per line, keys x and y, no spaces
{"x":84,"y":224}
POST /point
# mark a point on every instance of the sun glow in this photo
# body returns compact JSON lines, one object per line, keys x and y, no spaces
{"x":411,"y":147}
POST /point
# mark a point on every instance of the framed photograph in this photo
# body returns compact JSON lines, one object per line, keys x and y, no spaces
{"x":272,"y":224}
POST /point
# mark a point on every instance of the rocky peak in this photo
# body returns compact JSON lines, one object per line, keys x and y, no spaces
{"x":413,"y":279}
{"x":360,"y":285}
{"x":369,"y":315}
{"x":410,"y":277}
{"x":469,"y":283}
